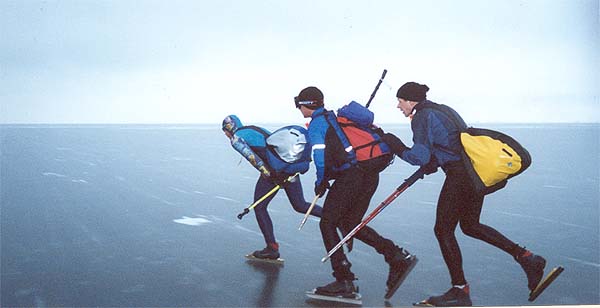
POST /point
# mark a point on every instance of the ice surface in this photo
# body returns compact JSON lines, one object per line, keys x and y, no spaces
{"x":125,"y":216}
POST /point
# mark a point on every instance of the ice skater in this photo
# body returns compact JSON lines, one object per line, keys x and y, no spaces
{"x":346,"y":202}
{"x":436,"y":144}
{"x":251,"y":142}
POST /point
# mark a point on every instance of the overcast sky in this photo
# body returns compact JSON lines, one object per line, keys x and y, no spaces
{"x":170,"y":61}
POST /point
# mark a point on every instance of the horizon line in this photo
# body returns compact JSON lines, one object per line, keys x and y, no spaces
{"x":259,"y":122}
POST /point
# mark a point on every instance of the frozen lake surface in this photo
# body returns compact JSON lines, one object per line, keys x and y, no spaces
{"x":146,"y":216}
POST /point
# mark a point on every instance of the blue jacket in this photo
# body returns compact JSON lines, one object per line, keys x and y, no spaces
{"x":317,"y":130}
{"x":255,"y":139}
{"x":434,"y":135}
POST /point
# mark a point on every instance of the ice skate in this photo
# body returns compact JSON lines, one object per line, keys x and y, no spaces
{"x":268,"y":254}
{"x":338,"y":291}
{"x":400,"y":267}
{"x":454,"y":297}
{"x":533,"y":265}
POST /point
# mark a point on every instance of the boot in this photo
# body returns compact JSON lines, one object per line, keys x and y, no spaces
{"x":454,"y":297}
{"x":344,"y":288}
{"x":268,"y":252}
{"x":533,"y":265}
{"x":400,"y":266}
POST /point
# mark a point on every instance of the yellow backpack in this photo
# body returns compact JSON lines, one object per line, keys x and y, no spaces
{"x":490,"y":157}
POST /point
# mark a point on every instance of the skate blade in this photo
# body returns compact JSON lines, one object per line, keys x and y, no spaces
{"x":278,"y":261}
{"x":356,"y":300}
{"x":545,"y":283}
{"x":391,"y":291}
{"x":423,"y":304}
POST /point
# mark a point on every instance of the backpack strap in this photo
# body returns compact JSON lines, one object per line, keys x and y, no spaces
{"x":450,"y":113}
{"x":351,"y":159}
{"x":255,"y":128}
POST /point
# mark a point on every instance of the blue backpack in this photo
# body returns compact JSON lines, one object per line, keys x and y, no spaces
{"x":288,"y":151}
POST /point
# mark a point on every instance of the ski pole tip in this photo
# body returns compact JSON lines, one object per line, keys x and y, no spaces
{"x":240,"y":215}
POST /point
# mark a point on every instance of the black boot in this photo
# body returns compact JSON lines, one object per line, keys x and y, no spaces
{"x":344,"y":288}
{"x":267,"y":253}
{"x":453,"y":297}
{"x":401,"y":264}
{"x":533,"y":265}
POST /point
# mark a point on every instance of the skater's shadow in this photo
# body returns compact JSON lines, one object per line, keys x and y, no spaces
{"x":271,"y":273}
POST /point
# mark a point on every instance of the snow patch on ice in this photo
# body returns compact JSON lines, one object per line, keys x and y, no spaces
{"x":58,"y":175}
{"x":181,"y":159}
{"x":583,"y":262}
{"x":179,"y":190}
{"x":543,"y":219}
{"x":192,"y":221}
{"x":247,"y":230}
{"x":162,"y":200}
{"x":227,"y":199}
{"x":555,"y":186}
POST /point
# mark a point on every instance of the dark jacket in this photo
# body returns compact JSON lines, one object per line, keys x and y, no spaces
{"x":434,"y":136}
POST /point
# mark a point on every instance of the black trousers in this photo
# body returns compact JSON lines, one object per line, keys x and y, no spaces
{"x":345,"y":205}
{"x":459,"y":203}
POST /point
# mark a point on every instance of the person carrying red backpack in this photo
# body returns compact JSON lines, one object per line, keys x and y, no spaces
{"x":354,"y":184}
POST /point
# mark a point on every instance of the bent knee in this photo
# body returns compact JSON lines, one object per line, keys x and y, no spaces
{"x":442,"y":231}
{"x":471,"y":229}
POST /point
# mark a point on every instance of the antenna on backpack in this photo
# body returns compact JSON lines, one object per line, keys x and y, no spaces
{"x":376,"y":88}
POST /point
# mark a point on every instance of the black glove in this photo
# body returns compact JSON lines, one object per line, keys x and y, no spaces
{"x":395,"y":143}
{"x":378,"y":131}
{"x":321,"y":188}
{"x":431,"y":166}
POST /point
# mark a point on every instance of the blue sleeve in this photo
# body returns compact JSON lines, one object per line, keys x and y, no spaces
{"x":240,"y":145}
{"x":420,"y":153}
{"x":316,"y":132}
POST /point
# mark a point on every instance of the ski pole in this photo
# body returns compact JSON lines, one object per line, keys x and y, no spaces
{"x":272,"y":191}
{"x":253,"y":205}
{"x":376,"y":88}
{"x":406,"y":184}
{"x":308,"y":212}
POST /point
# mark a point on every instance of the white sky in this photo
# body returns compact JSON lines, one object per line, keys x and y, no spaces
{"x":165,"y":61}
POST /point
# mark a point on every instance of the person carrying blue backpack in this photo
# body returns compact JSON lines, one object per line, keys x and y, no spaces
{"x":257,"y":145}
{"x":356,"y":178}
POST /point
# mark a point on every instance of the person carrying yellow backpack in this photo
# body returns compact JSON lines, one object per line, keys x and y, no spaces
{"x":437,"y":143}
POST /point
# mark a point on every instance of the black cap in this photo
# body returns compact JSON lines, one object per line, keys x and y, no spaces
{"x":311,"y":97}
{"x":412,"y":91}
